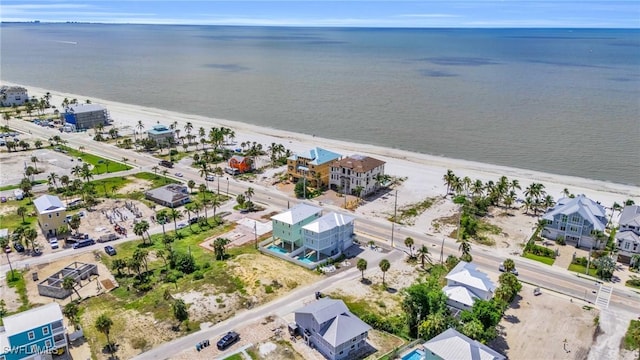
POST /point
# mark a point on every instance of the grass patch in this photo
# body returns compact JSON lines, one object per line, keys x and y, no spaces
{"x":582,"y":269}
{"x":237,"y":356}
{"x":11,"y":220}
{"x":633,"y":282}
{"x":542,"y":259}
{"x":377,"y":317}
{"x":407,"y":213}
{"x":629,"y":342}
{"x":17,"y":186}
{"x":17,"y":282}
{"x":100,"y":165}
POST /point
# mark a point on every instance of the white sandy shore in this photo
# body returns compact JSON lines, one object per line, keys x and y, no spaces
{"x":424,"y":172}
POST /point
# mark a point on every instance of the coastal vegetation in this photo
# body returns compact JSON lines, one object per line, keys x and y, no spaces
{"x":631,"y":340}
{"x":406,"y":214}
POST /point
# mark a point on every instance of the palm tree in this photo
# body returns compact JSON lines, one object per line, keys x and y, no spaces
{"x":219,"y":247}
{"x":140,"y":255}
{"x":384,"y":266}
{"x":71,"y":311}
{"x":140,"y":229}
{"x":139,"y":127}
{"x":4,"y":242}
{"x":22,"y":211}
{"x":69,"y":284}
{"x":362,"y":266}
{"x":408,"y":242}
{"x":423,"y":255}
{"x":249,"y":193}
{"x":180,"y":311}
{"x":465,"y":249}
{"x":175,"y":214}
{"x":509,"y":265}
{"x":191,"y":184}
{"x":118,"y":265}
{"x":614,"y":208}
{"x":202,"y":188}
{"x":30,"y":236}
{"x":598,"y":236}
{"x":53,"y":179}
{"x":449,"y":179}
{"x":34,"y":160}
{"x":103,"y":324}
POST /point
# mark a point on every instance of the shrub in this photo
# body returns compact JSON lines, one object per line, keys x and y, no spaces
{"x":198,"y":275}
{"x":560,"y":240}
{"x":540,"y":251}
{"x":268,"y":289}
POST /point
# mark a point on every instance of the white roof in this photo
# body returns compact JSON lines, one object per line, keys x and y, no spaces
{"x":4,"y":233}
{"x":587,"y":208}
{"x":32,"y":319}
{"x":630,"y":216}
{"x":48,"y":203}
{"x":80,"y":108}
{"x":328,"y":222}
{"x":297,"y":214}
{"x":452,"y":345}
{"x":468,"y":275}
{"x":460,"y":294}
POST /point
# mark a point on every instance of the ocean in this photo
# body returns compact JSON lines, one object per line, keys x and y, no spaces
{"x":563,"y":101}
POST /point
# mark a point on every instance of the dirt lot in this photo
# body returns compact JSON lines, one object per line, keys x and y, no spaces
{"x":532,"y":328}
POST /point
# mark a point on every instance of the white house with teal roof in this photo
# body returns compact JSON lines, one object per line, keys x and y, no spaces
{"x":329,"y":235}
{"x":314,"y":165}
{"x":160,"y":133}
{"x":575,"y":219}
{"x":287,"y":226}
{"x":33,"y":334}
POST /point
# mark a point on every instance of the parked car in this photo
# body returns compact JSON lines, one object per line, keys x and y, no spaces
{"x":54,"y":243}
{"x":19,"y":247}
{"x":3,"y":199}
{"x":179,"y":174}
{"x":84,"y":243}
{"x":227,"y":340}
{"x":110,"y":250}
{"x":210,"y":177}
{"x":182,"y":226}
{"x":514,"y":271}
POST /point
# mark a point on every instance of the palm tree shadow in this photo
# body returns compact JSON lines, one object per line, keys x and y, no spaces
{"x":365,"y":281}
{"x":391,"y":290}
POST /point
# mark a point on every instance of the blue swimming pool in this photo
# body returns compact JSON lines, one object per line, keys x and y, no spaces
{"x":305,"y":260}
{"x":277,"y":249}
{"x":414,"y":355}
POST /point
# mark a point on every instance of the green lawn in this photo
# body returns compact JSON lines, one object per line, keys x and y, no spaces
{"x":12,"y":220}
{"x":17,"y":186}
{"x":17,"y":282}
{"x":542,"y":259}
{"x":582,"y":269}
{"x":100,"y":165}
{"x":237,"y":356}
{"x":633,"y":282}
{"x":629,"y":342}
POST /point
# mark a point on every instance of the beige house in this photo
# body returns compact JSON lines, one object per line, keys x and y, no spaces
{"x":51,"y":214}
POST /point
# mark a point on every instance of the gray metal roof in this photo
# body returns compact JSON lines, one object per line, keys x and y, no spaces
{"x":82,"y":108}
{"x":452,"y":345}
{"x":342,"y":325}
{"x":585,"y":207}
{"x":47,"y":203}
{"x":169,"y":193}
{"x":297,"y":213}
{"x":628,"y":235}
{"x":324,"y":309}
{"x":630,"y":216}
{"x":328,"y":222}
{"x":467,"y":274}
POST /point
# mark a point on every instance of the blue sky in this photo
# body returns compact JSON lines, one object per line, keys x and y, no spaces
{"x":434,"y":13}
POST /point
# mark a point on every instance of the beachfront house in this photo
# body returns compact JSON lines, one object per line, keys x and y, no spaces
{"x":628,"y":234}
{"x":33,"y":334}
{"x":172,"y":195}
{"x":575,"y":219}
{"x":329,"y":235}
{"x":330,"y":327}
{"x":13,"y":95}
{"x":161,"y":134}
{"x":81,"y":117}
{"x":356,"y":172}
{"x":312,"y":166}
{"x":241,"y":163}
{"x":465,"y":284}
{"x":287,"y":226}
{"x":51,"y":214}
{"x":452,"y":345}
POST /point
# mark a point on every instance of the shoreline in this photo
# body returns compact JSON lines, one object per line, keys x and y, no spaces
{"x":424,"y":172}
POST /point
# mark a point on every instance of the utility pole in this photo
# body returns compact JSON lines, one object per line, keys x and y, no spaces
{"x":255,"y":232}
{"x":395,"y":213}
{"x":588,"y":263}
{"x":442,"y":252}
{"x":227,"y":186}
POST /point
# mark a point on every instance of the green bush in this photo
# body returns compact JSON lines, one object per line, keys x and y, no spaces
{"x":198,"y":275}
{"x":540,"y":251}
{"x":560,"y":240}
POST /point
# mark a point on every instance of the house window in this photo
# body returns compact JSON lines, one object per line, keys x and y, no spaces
{"x":31,"y":335}
{"x":57,"y":214}
{"x":626,"y":246}
{"x":635,"y":247}
{"x":47,"y":344}
{"x":563,"y":228}
{"x":564,"y":218}
{"x":45,"y":330}
{"x":574,"y":229}
{"x":49,"y":216}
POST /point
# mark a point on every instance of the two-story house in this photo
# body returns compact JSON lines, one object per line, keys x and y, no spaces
{"x":329,"y":235}
{"x":314,"y":166}
{"x":13,"y":95}
{"x":452,"y":345}
{"x":355,"y":173}
{"x":51,"y":214}
{"x":330,"y":327}
{"x":628,"y":234}
{"x":465,"y":284}
{"x":33,"y":334}
{"x":287,"y":226}
{"x":576,"y":219}
{"x":161,"y":134}
{"x":85,"y":116}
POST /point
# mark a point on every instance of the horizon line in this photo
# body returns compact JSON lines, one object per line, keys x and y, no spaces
{"x":316,"y":26}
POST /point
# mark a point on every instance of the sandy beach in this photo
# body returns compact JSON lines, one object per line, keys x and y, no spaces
{"x":423,"y":172}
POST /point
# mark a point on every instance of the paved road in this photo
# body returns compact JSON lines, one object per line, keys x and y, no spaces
{"x":548,"y":277}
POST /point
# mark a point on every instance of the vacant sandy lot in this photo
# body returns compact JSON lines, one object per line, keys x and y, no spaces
{"x":531,"y":328}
